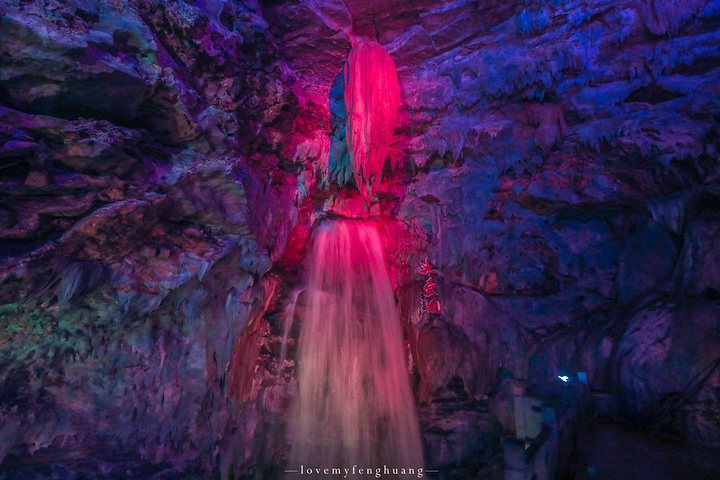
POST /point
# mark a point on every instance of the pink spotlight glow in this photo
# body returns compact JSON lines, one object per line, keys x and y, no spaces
{"x":372,"y":98}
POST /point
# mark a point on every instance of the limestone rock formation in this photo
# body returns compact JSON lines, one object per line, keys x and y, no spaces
{"x":163,"y":164}
{"x":372,"y":99}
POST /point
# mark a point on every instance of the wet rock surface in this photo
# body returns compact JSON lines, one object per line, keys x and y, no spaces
{"x":460,"y":433}
{"x":162,"y":167}
{"x":609,"y":451}
{"x":667,"y":366}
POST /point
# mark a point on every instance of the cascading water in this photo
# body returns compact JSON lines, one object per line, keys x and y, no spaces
{"x":354,"y":404}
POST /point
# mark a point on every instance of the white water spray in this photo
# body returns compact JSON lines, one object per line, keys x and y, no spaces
{"x":354,"y":404}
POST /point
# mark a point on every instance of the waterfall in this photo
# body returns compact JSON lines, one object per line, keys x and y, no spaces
{"x":354,"y":404}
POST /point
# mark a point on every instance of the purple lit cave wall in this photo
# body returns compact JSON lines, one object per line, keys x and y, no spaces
{"x":165,"y":167}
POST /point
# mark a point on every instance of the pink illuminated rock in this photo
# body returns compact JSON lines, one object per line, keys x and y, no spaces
{"x":372,"y":98}
{"x":161,"y":169}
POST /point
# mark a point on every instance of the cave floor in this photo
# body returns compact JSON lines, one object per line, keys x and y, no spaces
{"x":604,"y":452}
{"x":92,"y":462}
{"x":614,"y":452}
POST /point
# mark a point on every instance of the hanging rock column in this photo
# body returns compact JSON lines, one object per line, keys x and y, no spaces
{"x":372,"y":98}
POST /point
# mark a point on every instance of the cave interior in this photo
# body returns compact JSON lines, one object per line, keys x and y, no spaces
{"x":543,"y":177}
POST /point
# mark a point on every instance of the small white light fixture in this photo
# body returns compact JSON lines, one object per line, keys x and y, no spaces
{"x":564,"y":378}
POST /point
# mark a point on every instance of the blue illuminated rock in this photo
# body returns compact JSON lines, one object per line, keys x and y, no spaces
{"x":161,"y":172}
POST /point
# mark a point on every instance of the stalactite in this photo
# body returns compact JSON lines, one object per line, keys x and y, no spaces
{"x":372,"y":98}
{"x":667,"y":16}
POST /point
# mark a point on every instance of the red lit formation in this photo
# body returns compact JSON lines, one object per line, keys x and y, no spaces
{"x":430,"y":303}
{"x":372,"y":98}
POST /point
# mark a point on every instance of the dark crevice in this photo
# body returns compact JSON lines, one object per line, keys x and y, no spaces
{"x":653,"y":94}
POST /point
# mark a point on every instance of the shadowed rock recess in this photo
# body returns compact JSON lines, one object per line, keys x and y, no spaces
{"x":163,"y":165}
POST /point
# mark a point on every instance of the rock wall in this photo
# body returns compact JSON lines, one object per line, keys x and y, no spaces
{"x":163,"y":164}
